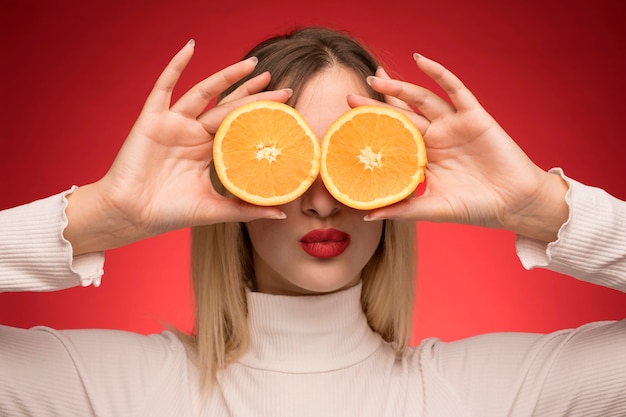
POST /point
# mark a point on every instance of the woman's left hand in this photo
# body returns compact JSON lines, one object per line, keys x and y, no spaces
{"x":476,"y":173}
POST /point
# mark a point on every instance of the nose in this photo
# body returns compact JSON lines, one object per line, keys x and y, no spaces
{"x":317,"y":201}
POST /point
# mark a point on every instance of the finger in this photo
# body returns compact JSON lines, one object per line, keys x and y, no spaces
{"x":461,"y":97}
{"x":212,"y":118}
{"x":230,"y":209}
{"x":194,"y":101}
{"x":420,"y":121}
{"x":428,"y":103}
{"x":380,"y":72}
{"x":252,"y":86}
{"x":161,"y":94}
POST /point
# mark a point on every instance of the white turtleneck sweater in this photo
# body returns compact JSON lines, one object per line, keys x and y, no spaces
{"x":315,"y":355}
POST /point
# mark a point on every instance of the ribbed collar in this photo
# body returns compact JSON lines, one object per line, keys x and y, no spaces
{"x":308,"y":334}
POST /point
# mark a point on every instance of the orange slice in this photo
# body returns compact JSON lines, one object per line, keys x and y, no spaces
{"x":372,"y":156}
{"x":266,"y":153}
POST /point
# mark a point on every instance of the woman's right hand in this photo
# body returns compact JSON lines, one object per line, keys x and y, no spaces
{"x":160,"y":180}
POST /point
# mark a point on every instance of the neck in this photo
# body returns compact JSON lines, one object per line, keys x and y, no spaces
{"x":308,"y":333}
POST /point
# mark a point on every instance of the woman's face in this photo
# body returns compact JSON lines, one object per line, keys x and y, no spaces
{"x":322,"y":245}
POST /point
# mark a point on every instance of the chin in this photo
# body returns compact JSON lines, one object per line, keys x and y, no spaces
{"x":325,"y":286}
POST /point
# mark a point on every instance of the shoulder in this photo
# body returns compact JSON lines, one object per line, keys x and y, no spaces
{"x":102,"y":347}
{"x":109,"y":372}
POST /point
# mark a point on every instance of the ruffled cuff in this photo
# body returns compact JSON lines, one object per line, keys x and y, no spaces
{"x":35,"y":255}
{"x":591,"y":244}
{"x":88,"y":267}
{"x":535,"y":253}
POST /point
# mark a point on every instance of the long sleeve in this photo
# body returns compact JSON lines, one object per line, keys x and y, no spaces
{"x":591,"y":244}
{"x":34,"y":256}
{"x":77,"y":372}
{"x":574,"y":372}
{"x":578,"y":372}
{"x":45,"y":372}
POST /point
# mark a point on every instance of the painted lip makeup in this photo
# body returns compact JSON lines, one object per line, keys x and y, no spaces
{"x":325,"y":243}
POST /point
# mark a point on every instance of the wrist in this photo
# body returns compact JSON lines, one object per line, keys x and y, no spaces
{"x":542,"y":218}
{"x":94,"y":223}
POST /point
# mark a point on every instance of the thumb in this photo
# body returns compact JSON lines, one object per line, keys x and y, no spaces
{"x":235,"y":210}
{"x":421,"y":208}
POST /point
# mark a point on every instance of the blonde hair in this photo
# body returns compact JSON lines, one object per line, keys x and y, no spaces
{"x":221,"y":259}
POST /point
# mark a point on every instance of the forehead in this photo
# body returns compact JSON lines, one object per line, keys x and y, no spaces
{"x":323,"y":98}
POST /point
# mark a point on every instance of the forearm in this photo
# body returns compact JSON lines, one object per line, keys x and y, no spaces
{"x":591,"y":244}
{"x":35,"y":256}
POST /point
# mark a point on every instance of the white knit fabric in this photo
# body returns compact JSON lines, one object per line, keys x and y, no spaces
{"x":316,"y":355}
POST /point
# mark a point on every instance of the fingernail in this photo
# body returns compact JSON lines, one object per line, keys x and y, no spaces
{"x":289,"y":91}
{"x":369,"y":79}
{"x":369,"y":218}
{"x":254,"y":59}
{"x":192,"y":43}
{"x":416,"y":56}
{"x":279,"y":216}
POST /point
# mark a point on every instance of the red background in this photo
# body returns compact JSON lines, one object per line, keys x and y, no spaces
{"x":74,"y":76}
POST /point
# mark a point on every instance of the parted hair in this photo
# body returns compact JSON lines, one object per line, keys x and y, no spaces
{"x":221,"y":255}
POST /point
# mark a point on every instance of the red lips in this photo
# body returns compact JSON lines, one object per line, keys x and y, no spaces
{"x":325,"y":243}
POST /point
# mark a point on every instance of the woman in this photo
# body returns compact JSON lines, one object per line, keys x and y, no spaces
{"x":282,"y":332}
